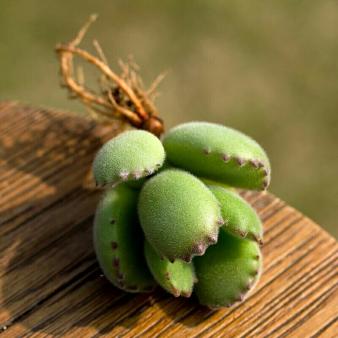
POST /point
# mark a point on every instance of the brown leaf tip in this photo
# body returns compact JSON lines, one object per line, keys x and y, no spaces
{"x":212,"y":239}
{"x":241,"y":233}
{"x":254,"y":163}
{"x":265,"y":183}
{"x":120,"y":276}
{"x":124,"y":175}
{"x":116,"y":262}
{"x":187,"y":258}
{"x":258,"y":239}
{"x":265,"y":172}
{"x":206,"y":151}
{"x":240,"y":161}
{"x":137,"y":174}
{"x":186,"y":294}
{"x":225,"y":158}
{"x":175,"y":292}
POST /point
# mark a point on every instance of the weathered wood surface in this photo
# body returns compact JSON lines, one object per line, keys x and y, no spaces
{"x":50,"y":284}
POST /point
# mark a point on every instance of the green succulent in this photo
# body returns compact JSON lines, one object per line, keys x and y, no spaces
{"x":219,"y":153}
{"x":179,"y":215}
{"x":240,"y":218}
{"x":177,"y":278}
{"x":173,"y":217}
{"x":118,"y":241}
{"x":227,"y":271}
{"x":128,"y":157}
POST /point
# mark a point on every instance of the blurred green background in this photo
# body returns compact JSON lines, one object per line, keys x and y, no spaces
{"x":268,"y":68}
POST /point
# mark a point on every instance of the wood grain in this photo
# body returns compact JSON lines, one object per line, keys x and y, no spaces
{"x":50,"y":283}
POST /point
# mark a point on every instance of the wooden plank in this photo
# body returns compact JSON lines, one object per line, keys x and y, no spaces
{"x":51,"y":285}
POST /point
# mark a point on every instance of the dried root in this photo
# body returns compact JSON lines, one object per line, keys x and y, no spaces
{"x":120,"y":96}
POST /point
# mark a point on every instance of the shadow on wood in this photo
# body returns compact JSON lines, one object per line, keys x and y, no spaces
{"x":46,"y":213}
{"x":46,"y":220}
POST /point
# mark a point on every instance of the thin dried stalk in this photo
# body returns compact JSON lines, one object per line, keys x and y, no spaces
{"x":119,"y":96}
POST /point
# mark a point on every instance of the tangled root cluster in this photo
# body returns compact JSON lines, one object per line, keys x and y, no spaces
{"x":119,"y":96}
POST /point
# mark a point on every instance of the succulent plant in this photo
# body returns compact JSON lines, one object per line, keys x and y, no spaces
{"x":177,"y":278}
{"x":173,"y":216}
{"x":179,"y":215}
{"x":170,"y":212}
{"x":118,"y":241}
{"x":129,"y":156}
{"x":219,"y":153}
{"x":240,"y":218}
{"x":227,"y":271}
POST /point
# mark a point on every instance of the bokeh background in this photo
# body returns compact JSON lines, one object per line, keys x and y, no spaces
{"x":268,"y":68}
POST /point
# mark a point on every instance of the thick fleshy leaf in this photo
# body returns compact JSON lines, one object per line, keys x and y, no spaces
{"x":179,"y":215}
{"x":219,"y":153}
{"x":240,"y":218}
{"x":129,"y":156}
{"x":177,"y":278}
{"x":118,"y":241}
{"x":227,"y":271}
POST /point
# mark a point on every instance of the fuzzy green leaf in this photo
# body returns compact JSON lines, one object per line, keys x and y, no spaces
{"x":240,"y":218}
{"x":118,"y":241}
{"x":227,"y":271}
{"x":219,"y":153}
{"x":179,"y":215}
{"x":177,"y":278}
{"x":129,"y":156}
